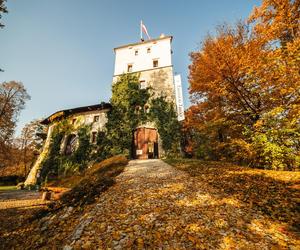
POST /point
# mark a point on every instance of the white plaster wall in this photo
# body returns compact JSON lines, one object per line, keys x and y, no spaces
{"x":87,"y":118}
{"x":160,"y":49}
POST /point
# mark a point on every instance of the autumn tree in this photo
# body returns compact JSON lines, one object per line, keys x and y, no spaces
{"x":224,"y":98}
{"x":30,"y":143}
{"x":244,"y":84}
{"x":277,"y":134}
{"x":13,"y":96}
{"x":3,"y":9}
{"x":277,"y":20}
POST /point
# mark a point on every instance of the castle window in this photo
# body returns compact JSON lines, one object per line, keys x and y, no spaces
{"x":96,"y":118}
{"x":94,"y":137}
{"x":146,"y":108}
{"x":73,"y":121}
{"x":143,"y":84}
{"x":137,"y":110}
{"x":155,"y":63}
{"x":129,"y":68}
{"x":136,"y":52}
{"x":148,"y":50}
{"x":71,"y":144}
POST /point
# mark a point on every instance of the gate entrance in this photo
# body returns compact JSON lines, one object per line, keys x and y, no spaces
{"x":145,"y":143}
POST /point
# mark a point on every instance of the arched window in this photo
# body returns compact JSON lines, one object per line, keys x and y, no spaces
{"x":146,"y":108}
{"x":137,"y":109}
{"x":71,"y":144}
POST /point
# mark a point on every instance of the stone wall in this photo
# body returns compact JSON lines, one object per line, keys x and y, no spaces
{"x":84,"y":118}
{"x":34,"y":172}
{"x":161,"y":80}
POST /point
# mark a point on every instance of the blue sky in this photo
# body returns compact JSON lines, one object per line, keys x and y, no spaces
{"x":62,"y":50}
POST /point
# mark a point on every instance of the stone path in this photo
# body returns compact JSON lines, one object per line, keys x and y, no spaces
{"x":134,"y":206}
{"x":155,"y":206}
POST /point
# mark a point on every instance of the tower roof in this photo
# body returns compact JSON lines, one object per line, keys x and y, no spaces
{"x":145,"y":42}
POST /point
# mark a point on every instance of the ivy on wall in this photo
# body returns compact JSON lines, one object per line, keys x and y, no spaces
{"x":133,"y":106}
{"x":57,"y":163}
{"x":165,"y":118}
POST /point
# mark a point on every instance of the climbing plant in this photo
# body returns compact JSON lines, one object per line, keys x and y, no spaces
{"x":165,"y":118}
{"x":83,"y":152}
{"x":127,"y":112}
{"x":50,"y":165}
{"x":56,"y":162}
{"x":133,"y":106}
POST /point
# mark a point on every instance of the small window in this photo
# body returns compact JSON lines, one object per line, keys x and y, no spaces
{"x":71,"y":144}
{"x":155,"y":63}
{"x":137,"y":110}
{"x":148,"y":50}
{"x":73,"y":121}
{"x":129,"y":68}
{"x":146,"y":109}
{"x":136,"y":52}
{"x":143,"y":84}
{"x":96,"y":118}
{"x":94,"y":137}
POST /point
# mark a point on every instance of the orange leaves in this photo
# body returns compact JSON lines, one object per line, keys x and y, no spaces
{"x":238,"y":78}
{"x":219,"y":71}
{"x":277,"y":20}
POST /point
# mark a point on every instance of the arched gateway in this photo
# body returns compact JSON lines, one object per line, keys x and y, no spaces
{"x":145,"y":143}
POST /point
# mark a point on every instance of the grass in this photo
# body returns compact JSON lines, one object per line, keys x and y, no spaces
{"x":7,"y":188}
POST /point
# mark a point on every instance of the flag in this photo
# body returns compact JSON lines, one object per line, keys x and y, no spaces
{"x":144,"y":29}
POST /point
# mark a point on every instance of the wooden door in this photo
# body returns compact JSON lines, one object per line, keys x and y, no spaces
{"x":145,"y":143}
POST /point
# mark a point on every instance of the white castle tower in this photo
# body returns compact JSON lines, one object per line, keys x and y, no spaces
{"x":152,"y":60}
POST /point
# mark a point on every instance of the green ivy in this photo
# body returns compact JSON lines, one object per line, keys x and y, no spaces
{"x":165,"y":118}
{"x":83,"y":152}
{"x":128,"y":112}
{"x":57,"y":163}
{"x":50,"y":165}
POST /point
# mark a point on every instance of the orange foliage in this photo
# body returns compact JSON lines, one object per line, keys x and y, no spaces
{"x":244,"y":86}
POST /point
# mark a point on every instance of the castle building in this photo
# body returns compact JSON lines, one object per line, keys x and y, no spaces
{"x":152,"y":60}
{"x":93,"y":116}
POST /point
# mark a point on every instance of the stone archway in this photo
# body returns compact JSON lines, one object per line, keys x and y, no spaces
{"x":145,"y":143}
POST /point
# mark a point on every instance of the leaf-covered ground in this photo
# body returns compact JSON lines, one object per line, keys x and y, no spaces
{"x":28,"y":222}
{"x":153,"y":205}
{"x":267,"y":202}
{"x":16,"y":208}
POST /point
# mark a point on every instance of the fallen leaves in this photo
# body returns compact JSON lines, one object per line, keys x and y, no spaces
{"x":153,"y":205}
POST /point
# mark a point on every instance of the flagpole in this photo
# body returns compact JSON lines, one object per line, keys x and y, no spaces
{"x":141,"y":24}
